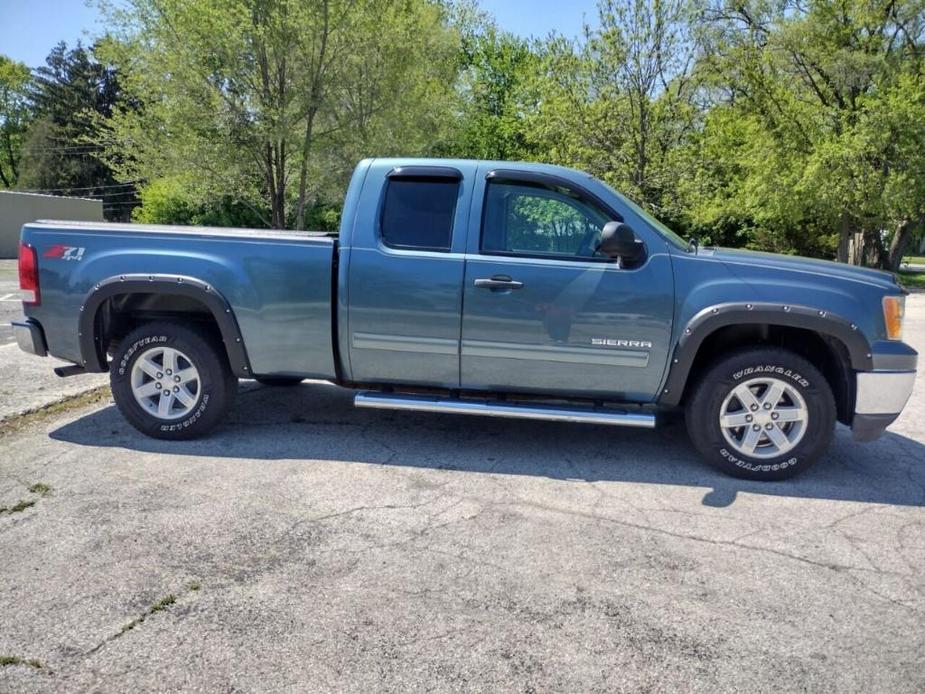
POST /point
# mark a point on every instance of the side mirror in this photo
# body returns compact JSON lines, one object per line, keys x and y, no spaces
{"x":619,"y":241}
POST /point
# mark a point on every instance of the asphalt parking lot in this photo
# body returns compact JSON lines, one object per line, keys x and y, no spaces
{"x":308,"y":546}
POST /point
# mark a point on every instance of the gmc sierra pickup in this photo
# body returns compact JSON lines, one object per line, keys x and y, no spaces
{"x":476,"y":287}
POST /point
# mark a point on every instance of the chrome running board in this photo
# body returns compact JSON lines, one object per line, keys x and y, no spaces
{"x":492,"y":408}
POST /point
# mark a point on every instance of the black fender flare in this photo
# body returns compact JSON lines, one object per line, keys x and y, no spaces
{"x":91,"y":343}
{"x":719,"y":316}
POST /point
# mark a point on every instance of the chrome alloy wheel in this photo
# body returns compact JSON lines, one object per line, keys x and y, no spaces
{"x":764,"y":418}
{"x":165,"y":383}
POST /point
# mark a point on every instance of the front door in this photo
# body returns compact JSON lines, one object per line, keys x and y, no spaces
{"x":544,"y":313}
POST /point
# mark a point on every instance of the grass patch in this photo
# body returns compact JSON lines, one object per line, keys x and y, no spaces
{"x":16,"y":660}
{"x":912,"y":279}
{"x":20,"y":505}
{"x":17,"y":423}
{"x":914,"y":259}
{"x":39,"y":488}
{"x":160,"y":605}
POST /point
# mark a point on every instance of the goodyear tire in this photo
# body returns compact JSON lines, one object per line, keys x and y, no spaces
{"x":761,"y":414}
{"x":172,"y":381}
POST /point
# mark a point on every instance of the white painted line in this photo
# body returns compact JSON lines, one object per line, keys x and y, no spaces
{"x":9,"y":297}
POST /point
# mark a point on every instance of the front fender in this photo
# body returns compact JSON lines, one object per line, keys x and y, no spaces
{"x":712,"y":318}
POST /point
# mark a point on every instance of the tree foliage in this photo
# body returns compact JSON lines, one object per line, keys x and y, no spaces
{"x":15,"y":115}
{"x":266,"y":101}
{"x":809,"y":143}
{"x":788,"y":125}
{"x":67,"y":96}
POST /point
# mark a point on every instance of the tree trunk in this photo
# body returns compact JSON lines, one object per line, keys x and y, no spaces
{"x":856,"y":248}
{"x":315,"y":96}
{"x":303,"y":170}
{"x":899,"y":243}
{"x":844,"y":239}
{"x":271,"y":182}
{"x":874,"y":252}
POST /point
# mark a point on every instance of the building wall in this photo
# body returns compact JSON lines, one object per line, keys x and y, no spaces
{"x":17,"y":209}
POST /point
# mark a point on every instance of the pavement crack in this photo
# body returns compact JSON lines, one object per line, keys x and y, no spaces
{"x":697,"y":538}
{"x":161,"y":605}
{"x":360,"y":509}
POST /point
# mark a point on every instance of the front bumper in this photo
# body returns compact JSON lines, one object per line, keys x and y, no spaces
{"x":880,"y":398}
{"x":30,"y":337}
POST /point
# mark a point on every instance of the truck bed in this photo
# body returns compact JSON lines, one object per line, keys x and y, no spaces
{"x":278,"y":284}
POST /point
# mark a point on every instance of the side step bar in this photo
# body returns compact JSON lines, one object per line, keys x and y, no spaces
{"x":423,"y":403}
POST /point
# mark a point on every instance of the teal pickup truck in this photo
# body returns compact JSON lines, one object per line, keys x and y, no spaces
{"x":477,"y":287}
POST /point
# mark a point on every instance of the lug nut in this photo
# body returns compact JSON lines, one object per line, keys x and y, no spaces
{"x":160,"y":375}
{"x":169,"y":372}
{"x":157,"y":386}
{"x":176,"y":389}
{"x":756,"y":427}
{"x":176,"y":378}
{"x":774,"y":415}
{"x":769,"y":426}
{"x":754,"y":408}
{"x":767,"y":405}
{"x":748,"y":418}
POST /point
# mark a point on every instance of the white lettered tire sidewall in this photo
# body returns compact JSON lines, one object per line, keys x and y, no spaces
{"x":217,"y":384}
{"x":704,"y":406}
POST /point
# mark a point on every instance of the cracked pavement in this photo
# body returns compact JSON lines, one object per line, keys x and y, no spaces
{"x":308,"y":546}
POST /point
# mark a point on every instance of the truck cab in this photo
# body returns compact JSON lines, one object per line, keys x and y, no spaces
{"x":492,"y":277}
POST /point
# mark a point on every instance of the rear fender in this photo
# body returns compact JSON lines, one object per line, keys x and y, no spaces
{"x":89,"y":331}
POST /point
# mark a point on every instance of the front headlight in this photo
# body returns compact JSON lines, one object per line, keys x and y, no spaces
{"x":894,"y":308}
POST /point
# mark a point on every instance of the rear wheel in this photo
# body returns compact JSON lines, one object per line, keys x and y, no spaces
{"x":171,"y":381}
{"x":761,"y":414}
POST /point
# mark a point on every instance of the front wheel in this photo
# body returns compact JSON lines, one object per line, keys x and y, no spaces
{"x":171,"y":381}
{"x":761,"y":414}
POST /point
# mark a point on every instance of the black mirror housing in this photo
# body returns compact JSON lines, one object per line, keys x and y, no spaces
{"x":618,"y":240}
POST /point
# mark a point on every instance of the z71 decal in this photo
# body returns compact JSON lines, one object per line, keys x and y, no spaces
{"x":63,"y":252}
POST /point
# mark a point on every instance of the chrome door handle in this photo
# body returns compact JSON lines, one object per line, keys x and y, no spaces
{"x":498,"y":282}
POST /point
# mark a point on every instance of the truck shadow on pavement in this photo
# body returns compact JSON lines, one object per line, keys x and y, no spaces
{"x":317,"y":421}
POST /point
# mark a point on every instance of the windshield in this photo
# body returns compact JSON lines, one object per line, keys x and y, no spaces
{"x":665,"y":231}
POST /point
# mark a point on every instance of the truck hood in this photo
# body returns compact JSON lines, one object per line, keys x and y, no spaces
{"x":793,"y":263}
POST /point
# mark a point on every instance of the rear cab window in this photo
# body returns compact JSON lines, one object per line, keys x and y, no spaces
{"x":419,"y":208}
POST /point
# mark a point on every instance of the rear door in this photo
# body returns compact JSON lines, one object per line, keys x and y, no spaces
{"x":404,"y":279}
{"x":543,"y":312}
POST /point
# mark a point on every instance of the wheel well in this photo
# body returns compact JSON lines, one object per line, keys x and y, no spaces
{"x":826,"y":353}
{"x":118,"y":315}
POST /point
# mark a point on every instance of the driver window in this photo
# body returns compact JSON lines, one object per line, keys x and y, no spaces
{"x":524,"y":219}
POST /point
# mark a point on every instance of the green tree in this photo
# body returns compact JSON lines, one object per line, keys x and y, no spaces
{"x":819,"y":107}
{"x":498,"y":68}
{"x":620,"y":102}
{"x":263,"y":100}
{"x":15,"y":115}
{"x":67,"y":96}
